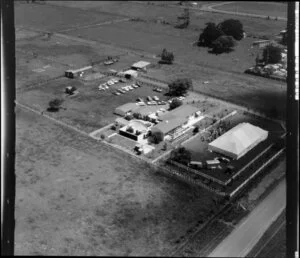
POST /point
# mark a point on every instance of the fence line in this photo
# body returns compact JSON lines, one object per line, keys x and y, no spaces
{"x":257,"y":171}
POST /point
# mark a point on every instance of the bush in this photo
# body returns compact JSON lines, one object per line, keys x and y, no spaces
{"x":102,"y":136}
{"x":175,"y":103}
{"x":55,"y":104}
{"x":167,"y":57}
{"x":180,"y":87}
{"x":232,"y":27}
{"x":223,"y":44}
{"x":209,"y":35}
{"x":129,"y":129}
{"x":157,"y":137}
{"x":196,"y":129}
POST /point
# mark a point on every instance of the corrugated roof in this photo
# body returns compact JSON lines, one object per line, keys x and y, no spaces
{"x":147,"y":110}
{"x":174,"y":118}
{"x":180,"y":112}
{"x":140,"y":64}
{"x":239,"y":138}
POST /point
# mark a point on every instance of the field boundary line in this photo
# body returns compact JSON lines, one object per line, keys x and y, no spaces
{"x":93,"y":25}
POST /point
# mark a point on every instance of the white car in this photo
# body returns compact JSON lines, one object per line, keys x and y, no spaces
{"x":134,"y":86}
{"x":110,"y":83}
{"x":155,"y":98}
{"x":141,"y":103}
{"x":125,"y":88}
{"x":130,"y":88}
{"x":115,"y":80}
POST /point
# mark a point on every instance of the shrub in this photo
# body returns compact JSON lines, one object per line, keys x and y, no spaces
{"x":223,"y":44}
{"x":210,"y":33}
{"x":55,"y":104}
{"x":167,"y":57}
{"x":232,"y":27}
{"x":180,"y":87}
{"x":175,"y":103}
{"x":102,"y":136}
{"x":157,"y":137}
{"x":196,"y":129}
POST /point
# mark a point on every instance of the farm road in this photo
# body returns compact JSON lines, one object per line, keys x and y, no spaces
{"x":210,"y":8}
{"x":240,"y":242}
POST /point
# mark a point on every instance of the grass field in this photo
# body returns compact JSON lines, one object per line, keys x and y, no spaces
{"x":261,"y":8}
{"x":91,"y":109}
{"x":77,"y":197}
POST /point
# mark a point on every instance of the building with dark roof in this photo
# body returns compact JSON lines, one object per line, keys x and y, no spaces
{"x":175,"y":122}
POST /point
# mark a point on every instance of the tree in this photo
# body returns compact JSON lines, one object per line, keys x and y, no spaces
{"x":167,"y":57}
{"x":210,"y":33}
{"x":223,"y":44}
{"x":180,"y":87}
{"x":55,"y":105}
{"x":181,"y":155}
{"x":272,"y":54}
{"x":137,"y":116}
{"x":175,"y":103}
{"x":157,"y":137}
{"x":183,"y":20}
{"x":232,"y":27}
{"x":196,"y":129}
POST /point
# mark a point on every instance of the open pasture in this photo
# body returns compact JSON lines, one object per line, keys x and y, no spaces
{"x":79,"y":197}
{"x":91,"y":109}
{"x":261,"y":8}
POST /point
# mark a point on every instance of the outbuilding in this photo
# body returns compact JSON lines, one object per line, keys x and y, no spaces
{"x":239,"y":140}
{"x":126,"y":108}
{"x":141,"y":65}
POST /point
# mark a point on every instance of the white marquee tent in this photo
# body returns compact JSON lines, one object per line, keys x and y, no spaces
{"x":239,"y":140}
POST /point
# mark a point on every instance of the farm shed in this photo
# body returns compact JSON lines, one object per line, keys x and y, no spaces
{"x":139,"y":129}
{"x":140,"y":65}
{"x":173,"y":123}
{"x":75,"y":73}
{"x":130,"y":74}
{"x":239,"y":140}
{"x":124,"y":109}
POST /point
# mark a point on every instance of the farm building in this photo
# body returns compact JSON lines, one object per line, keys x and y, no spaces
{"x":75,"y":73}
{"x":148,"y":111}
{"x":141,"y":65}
{"x":126,"y":108}
{"x":261,"y":43}
{"x":130,"y":74}
{"x":175,"y":122}
{"x":136,"y":129}
{"x":238,"y":141}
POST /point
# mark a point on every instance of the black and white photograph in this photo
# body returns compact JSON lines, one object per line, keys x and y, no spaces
{"x":150,"y":128}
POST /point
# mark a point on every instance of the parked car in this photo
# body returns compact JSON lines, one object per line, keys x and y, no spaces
{"x":141,"y":103}
{"x":139,"y":100}
{"x":115,"y":80}
{"x":125,"y":88}
{"x":130,"y":88}
{"x":134,"y":86}
{"x":155,"y":98}
{"x":110,"y":83}
{"x":159,"y":90}
{"x":149,"y":98}
{"x":121,"y":91}
{"x":116,"y":93}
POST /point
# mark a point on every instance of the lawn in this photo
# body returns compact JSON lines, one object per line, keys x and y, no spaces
{"x":91,"y":109}
{"x":76,"y":196}
{"x":261,"y":8}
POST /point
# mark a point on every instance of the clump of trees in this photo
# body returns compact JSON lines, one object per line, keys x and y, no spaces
{"x":55,"y":105}
{"x":272,"y":54}
{"x":223,"y":44}
{"x":166,"y":57}
{"x":175,"y":103}
{"x":180,"y":87}
{"x":181,"y":155}
{"x":221,"y":38}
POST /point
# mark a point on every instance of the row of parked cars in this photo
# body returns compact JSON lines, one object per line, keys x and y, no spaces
{"x":106,"y":85}
{"x":124,"y":89}
{"x":150,"y":101}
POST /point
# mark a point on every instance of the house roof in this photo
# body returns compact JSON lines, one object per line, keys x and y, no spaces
{"x":181,"y":112}
{"x":131,"y":72}
{"x":140,"y":64}
{"x":127,"y":107}
{"x":147,"y":110}
{"x":174,"y":118}
{"x":240,"y":138}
